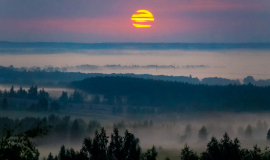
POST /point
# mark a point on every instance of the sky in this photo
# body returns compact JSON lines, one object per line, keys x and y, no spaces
{"x":96,"y":21}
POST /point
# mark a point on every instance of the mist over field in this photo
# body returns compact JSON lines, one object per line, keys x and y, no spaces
{"x":168,"y":133}
{"x":231,"y":64}
{"x":134,"y":80}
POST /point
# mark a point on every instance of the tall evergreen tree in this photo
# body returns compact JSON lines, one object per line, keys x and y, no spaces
{"x":248,"y":131}
{"x":187,"y":154}
{"x":21,"y":93}
{"x":115,"y":148}
{"x":64,"y":97}
{"x":150,"y":154}
{"x":268,"y":135}
{"x":203,"y":133}
{"x":50,"y":157}
{"x":12,"y":93}
{"x":32,"y":92}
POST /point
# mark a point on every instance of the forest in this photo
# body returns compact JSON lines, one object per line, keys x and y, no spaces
{"x":55,"y":76}
{"x":179,"y":96}
{"x":148,"y":111}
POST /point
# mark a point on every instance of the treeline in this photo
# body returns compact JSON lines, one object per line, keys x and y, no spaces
{"x":128,"y":148}
{"x":99,"y":148}
{"x":32,"y":93}
{"x":19,"y":146}
{"x":55,"y":77}
{"x":41,"y":96}
{"x":62,"y":129}
{"x":16,"y":143}
{"x":226,"y":149}
{"x":178,"y":96}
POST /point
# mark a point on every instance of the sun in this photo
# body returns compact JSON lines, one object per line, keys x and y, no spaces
{"x":142,"y":18}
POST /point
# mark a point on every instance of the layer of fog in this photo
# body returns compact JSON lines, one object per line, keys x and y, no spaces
{"x":168,"y":129}
{"x":232,"y":64}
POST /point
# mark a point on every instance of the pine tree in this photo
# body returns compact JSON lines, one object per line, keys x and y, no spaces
{"x":64,"y":97}
{"x":50,"y":157}
{"x":268,"y":135}
{"x":151,"y":154}
{"x":203,"y":133}
{"x":187,"y":154}
{"x":62,"y":153}
{"x":115,"y":147}
{"x":248,"y":131}
{"x":12,"y":93}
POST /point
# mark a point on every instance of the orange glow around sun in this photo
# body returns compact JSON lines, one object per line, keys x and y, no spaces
{"x":141,"y":18}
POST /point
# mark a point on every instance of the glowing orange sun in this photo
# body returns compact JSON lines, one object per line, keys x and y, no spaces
{"x":142,"y":18}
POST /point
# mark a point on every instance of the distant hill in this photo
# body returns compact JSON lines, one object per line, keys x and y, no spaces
{"x":11,"y":75}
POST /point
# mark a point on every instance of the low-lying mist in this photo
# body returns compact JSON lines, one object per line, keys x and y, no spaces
{"x":168,"y":132}
{"x":232,"y":64}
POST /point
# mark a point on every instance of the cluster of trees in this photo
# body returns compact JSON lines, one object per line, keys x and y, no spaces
{"x":99,"y":148}
{"x":225,"y":149}
{"x":17,"y":145}
{"x":41,"y":96}
{"x":249,"y":131}
{"x":260,"y":130}
{"x":63,"y":129}
{"x":178,"y":96}
{"x":76,"y":97}
{"x":32,"y":93}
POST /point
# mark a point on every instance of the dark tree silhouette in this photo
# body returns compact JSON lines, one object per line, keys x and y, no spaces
{"x":12,"y":93}
{"x":177,"y":96}
{"x":77,"y":97}
{"x":32,"y":92}
{"x":187,"y":154}
{"x":64,"y":97}
{"x":21,"y":93}
{"x":131,"y":147}
{"x":115,"y":150}
{"x":151,"y":154}
{"x":17,"y":146}
{"x":248,"y":131}
{"x":50,"y":157}
{"x":223,"y":150}
{"x":43,"y":94}
{"x":203,"y":133}
{"x":268,"y":135}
